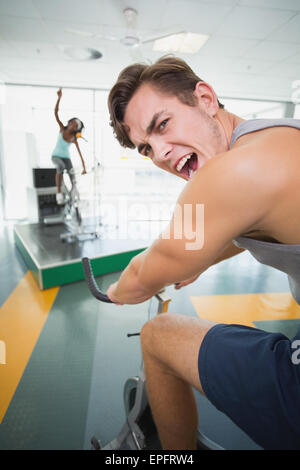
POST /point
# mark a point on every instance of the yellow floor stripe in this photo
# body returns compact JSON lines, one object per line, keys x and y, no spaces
{"x":22,"y":318}
{"x":244,"y":309}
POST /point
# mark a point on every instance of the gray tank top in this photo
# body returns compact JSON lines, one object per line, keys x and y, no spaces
{"x":286,"y":258}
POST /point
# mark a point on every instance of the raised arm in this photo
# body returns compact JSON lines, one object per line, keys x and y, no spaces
{"x":59,"y":94}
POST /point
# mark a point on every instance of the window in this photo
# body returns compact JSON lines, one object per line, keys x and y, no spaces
{"x":29,"y":131}
{"x":29,"y":135}
{"x":297,"y":112}
{"x":251,"y":109}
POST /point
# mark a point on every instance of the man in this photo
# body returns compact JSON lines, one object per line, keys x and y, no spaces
{"x":245,"y":174}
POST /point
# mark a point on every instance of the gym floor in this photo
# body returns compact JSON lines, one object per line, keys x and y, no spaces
{"x":67,"y":356}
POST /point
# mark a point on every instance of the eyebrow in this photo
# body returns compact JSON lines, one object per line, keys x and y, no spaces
{"x":150,"y":127}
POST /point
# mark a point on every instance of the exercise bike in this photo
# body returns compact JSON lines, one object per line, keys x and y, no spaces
{"x":139,"y":431}
{"x":71,"y":212}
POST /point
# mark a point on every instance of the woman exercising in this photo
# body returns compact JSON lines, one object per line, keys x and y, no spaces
{"x":61,"y":154}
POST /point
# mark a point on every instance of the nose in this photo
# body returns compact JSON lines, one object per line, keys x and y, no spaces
{"x":161,"y":150}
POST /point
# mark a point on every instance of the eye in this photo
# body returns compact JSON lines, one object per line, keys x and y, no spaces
{"x":162,"y":125}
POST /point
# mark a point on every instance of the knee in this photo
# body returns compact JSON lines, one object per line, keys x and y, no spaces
{"x":152,"y":332}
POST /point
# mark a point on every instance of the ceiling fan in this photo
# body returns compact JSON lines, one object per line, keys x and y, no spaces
{"x":131,"y":39}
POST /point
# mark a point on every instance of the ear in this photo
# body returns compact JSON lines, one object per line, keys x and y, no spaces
{"x":206,"y":98}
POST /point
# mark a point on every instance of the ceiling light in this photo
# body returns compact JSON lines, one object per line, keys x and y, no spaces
{"x":187,"y":43}
{"x":83,"y":53}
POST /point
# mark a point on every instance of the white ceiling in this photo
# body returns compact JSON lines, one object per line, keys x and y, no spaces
{"x":253,"y":49}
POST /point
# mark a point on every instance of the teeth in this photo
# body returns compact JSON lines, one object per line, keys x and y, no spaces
{"x":183,"y":162}
{"x":191,"y":172}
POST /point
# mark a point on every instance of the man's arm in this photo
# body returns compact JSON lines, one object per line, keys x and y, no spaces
{"x":236,"y":192}
{"x":81,"y":158}
{"x":59,"y":94}
{"x":230,"y":251}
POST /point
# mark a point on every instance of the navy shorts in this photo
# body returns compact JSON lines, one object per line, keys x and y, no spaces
{"x":254,"y":378}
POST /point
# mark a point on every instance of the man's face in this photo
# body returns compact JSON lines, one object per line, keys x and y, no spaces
{"x":177,"y":137}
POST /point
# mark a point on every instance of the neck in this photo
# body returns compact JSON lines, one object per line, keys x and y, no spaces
{"x":228,"y":122}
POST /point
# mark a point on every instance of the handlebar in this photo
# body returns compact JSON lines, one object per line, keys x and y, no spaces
{"x":162,"y":297}
{"x":92,"y":283}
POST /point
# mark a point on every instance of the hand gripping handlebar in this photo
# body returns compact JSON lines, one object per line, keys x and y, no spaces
{"x":161,"y":296}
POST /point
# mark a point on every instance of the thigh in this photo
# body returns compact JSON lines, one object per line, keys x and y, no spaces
{"x":70,"y":169}
{"x":174,"y":341}
{"x":68,"y":165}
{"x":59,"y":164}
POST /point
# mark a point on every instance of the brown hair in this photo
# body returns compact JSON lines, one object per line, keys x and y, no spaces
{"x":170,"y":75}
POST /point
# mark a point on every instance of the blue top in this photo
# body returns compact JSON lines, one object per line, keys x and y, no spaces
{"x":62,"y":148}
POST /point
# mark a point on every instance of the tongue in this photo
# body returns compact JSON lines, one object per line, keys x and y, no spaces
{"x":191,"y":164}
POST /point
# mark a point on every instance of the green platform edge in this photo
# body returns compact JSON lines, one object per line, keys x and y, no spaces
{"x":71,"y":272}
{"x":27,"y":258}
{"x":59,"y":275}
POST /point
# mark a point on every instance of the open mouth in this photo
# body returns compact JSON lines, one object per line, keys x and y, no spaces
{"x":188,"y":165}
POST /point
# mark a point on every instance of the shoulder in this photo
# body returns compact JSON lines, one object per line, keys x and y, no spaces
{"x":270,"y":156}
{"x":238,"y":187}
{"x":249,"y":168}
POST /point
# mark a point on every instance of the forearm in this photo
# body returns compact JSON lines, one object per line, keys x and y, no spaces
{"x":150,"y":271}
{"x":80,"y":155}
{"x":57,"y":106}
{"x":147,"y":274}
{"x":129,"y":289}
{"x":82,"y":160}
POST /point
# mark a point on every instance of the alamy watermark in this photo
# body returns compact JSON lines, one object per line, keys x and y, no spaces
{"x":2,"y":352}
{"x":186,"y":223}
{"x":182,"y":226}
{"x":296,"y":354}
